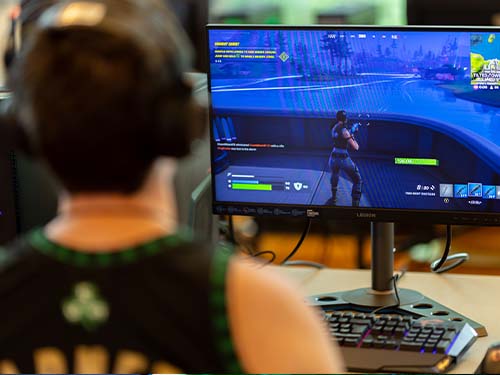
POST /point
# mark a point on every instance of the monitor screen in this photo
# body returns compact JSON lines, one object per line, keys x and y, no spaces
{"x":367,"y":122}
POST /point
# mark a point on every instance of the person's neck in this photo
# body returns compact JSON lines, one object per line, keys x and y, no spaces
{"x":101,"y":222}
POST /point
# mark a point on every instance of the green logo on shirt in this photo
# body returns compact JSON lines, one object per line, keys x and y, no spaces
{"x":85,"y":307}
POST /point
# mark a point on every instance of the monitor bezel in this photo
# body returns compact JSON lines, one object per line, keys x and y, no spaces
{"x":342,"y":212}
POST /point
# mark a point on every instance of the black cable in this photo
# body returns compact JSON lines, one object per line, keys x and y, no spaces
{"x":243,"y":246}
{"x":395,"y":280}
{"x":297,"y":247}
{"x":230,"y":227}
{"x":265,"y":252}
{"x":459,"y":258}
{"x":250,"y":252}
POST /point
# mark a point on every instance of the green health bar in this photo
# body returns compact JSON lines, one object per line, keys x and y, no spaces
{"x":258,"y":187}
{"x":417,"y":161}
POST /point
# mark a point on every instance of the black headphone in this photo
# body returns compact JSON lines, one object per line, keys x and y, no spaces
{"x":342,"y":116}
{"x":177,"y":117}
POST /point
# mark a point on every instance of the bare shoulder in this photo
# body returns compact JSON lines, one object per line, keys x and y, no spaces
{"x":346,"y":133}
{"x":273,"y":329}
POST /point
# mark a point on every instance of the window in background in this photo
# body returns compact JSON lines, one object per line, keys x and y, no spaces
{"x":439,"y":12}
{"x":303,"y":12}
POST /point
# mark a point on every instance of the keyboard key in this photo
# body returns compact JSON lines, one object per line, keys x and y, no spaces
{"x":343,"y":320}
{"x":377,"y":329}
{"x":449,"y":336}
{"x":361,"y":321}
{"x":399,"y":331}
{"x":378,"y":344}
{"x":442,"y":346}
{"x":359,"y":328}
{"x":391,"y":344}
{"x":345,"y":325}
{"x":350,"y":342}
{"x":345,"y":330}
{"x":388,"y":330}
{"x":371,"y":317}
{"x":367,"y":343}
{"x":349,"y":335}
{"x":403,"y":325}
{"x":429,"y":348}
{"x":435,"y":337}
{"x":391,"y":323}
{"x":420,"y":339}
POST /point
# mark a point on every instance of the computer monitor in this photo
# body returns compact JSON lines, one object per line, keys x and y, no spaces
{"x":365,"y":123}
{"x":458,"y":12}
{"x":193,"y":15}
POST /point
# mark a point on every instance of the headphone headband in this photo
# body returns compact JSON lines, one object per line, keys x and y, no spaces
{"x":122,"y":19}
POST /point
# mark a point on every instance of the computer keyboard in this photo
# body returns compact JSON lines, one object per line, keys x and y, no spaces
{"x":396,"y":343}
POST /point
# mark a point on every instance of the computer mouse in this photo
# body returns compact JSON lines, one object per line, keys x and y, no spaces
{"x":491,"y":360}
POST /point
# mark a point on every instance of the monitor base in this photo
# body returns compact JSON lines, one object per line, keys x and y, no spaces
{"x":372,"y":298}
{"x":413,"y":304}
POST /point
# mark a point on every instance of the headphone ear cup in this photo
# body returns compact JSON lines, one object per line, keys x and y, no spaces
{"x":9,"y":56}
{"x":13,"y":136}
{"x":180,"y":121}
{"x":10,"y":48}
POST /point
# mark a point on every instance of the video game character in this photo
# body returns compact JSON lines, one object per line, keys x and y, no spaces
{"x":341,"y":161}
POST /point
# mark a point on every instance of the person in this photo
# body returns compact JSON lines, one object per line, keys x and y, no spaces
{"x":112,"y":284}
{"x":340,"y":159}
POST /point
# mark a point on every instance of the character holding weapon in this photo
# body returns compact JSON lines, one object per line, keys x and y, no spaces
{"x":340,"y":160}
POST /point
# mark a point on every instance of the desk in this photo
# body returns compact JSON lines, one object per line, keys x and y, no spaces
{"x":474,"y":296}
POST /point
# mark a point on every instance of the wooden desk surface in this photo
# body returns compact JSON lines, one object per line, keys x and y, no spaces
{"x":477,"y":297}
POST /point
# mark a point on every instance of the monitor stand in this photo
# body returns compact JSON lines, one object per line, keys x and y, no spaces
{"x":381,"y":293}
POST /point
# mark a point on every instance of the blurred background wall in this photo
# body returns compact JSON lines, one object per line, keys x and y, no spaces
{"x":387,"y":12}
{"x":5,"y":7}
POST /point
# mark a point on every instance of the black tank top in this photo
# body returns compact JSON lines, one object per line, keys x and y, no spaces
{"x":155,"y":308}
{"x":339,"y":141}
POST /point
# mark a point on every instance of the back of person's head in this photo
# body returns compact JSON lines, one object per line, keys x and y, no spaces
{"x":98,"y":87}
